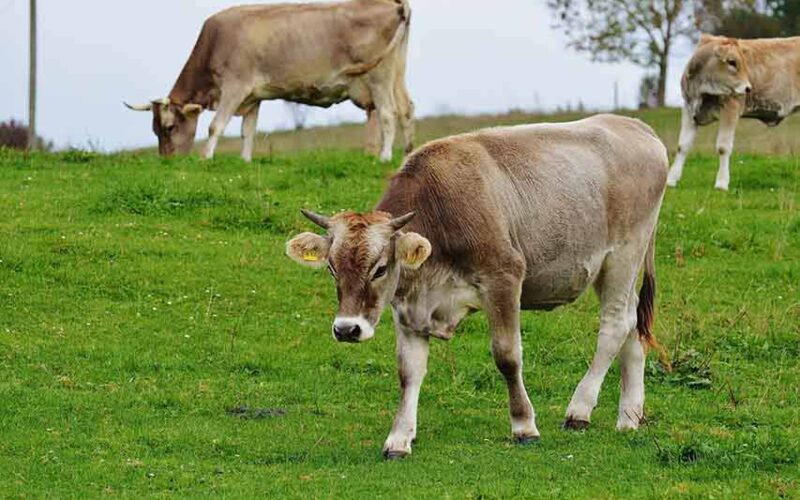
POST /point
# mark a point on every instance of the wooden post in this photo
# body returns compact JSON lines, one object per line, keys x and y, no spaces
{"x":32,"y":80}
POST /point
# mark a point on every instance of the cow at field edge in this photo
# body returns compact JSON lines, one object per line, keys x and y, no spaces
{"x":727,"y":79}
{"x":317,"y":54}
{"x":503,"y":219}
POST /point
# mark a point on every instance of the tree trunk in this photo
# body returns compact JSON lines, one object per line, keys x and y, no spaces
{"x":661,"y":96}
{"x":32,"y":142}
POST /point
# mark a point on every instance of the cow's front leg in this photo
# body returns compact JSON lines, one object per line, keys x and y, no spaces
{"x":728,"y":118}
{"x":229,"y":102}
{"x":412,"y":364}
{"x":685,"y":141}
{"x":501,"y":301}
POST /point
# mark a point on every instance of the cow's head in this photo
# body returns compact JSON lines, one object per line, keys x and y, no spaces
{"x":174,"y":125}
{"x":364,"y":253}
{"x":718,"y":68}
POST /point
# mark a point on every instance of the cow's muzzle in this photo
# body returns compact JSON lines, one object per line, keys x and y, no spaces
{"x":352,"y":329}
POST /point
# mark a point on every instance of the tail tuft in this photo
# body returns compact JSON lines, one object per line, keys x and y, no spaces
{"x":645,"y":313}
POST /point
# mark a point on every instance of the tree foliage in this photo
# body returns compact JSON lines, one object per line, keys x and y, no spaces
{"x":751,"y":18}
{"x":640,"y":31}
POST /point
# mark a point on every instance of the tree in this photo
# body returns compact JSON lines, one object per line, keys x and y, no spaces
{"x":640,"y":31}
{"x":750,"y":18}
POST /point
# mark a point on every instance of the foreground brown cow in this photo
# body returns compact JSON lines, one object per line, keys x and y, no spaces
{"x":727,"y":79}
{"x":315,"y":54}
{"x":505,"y":219}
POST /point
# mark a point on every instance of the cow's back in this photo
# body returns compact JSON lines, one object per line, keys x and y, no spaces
{"x":285,"y":43}
{"x":555,"y":192}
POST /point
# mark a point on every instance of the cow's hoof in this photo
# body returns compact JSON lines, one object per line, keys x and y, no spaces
{"x":395,"y":454}
{"x":721,"y":186}
{"x":572,"y":424}
{"x":525,"y":439}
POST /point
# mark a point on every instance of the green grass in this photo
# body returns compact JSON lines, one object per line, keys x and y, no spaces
{"x":141,"y":300}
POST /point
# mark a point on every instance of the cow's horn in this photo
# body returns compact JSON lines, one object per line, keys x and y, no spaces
{"x":399,"y":222}
{"x":139,"y":107}
{"x":320,"y":220}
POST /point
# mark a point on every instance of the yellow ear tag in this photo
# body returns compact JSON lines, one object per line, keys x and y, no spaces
{"x":310,"y":257}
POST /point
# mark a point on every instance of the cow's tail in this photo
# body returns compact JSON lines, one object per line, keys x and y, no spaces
{"x":401,"y":34}
{"x":404,"y":10}
{"x":645,"y":311}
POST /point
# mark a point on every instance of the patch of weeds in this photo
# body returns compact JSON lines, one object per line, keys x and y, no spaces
{"x":486,"y":380}
{"x":244,"y":412}
{"x":756,"y":451}
{"x":369,"y":367}
{"x":689,"y":368}
{"x":248,"y":220}
{"x":78,"y":156}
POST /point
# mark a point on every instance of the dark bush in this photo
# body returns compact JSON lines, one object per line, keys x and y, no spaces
{"x":14,"y":135}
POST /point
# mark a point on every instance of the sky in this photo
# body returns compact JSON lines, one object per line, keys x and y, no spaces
{"x":465,"y":56}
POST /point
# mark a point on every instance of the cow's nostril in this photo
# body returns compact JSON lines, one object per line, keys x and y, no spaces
{"x":347,"y":333}
{"x":338,"y":332}
{"x":748,"y":89}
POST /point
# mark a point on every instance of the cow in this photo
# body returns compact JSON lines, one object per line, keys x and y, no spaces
{"x":317,"y":54}
{"x":727,"y":79}
{"x":504,"y":219}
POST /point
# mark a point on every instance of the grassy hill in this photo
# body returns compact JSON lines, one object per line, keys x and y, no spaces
{"x":155,"y":341}
{"x":752,"y":136}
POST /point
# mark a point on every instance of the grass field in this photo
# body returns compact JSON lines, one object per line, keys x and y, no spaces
{"x":155,"y":341}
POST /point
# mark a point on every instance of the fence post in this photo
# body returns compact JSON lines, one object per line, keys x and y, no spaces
{"x":32,"y":145}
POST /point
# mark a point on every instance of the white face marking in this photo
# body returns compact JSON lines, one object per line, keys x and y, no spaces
{"x":742,"y":88}
{"x":352,"y":329}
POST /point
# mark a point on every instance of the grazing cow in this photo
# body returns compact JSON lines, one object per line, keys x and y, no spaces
{"x":318,"y":54}
{"x":727,"y":79}
{"x":505,"y":219}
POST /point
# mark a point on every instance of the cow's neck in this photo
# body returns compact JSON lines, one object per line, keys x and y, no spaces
{"x":193,"y":86}
{"x":433,"y":300}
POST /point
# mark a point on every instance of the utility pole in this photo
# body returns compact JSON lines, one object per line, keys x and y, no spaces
{"x":32,"y":81}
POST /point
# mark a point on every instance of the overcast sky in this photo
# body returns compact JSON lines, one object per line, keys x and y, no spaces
{"x":471,"y":56}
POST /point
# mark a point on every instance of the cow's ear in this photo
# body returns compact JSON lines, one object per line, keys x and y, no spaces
{"x":412,"y":250}
{"x":705,"y":38}
{"x":308,"y":249}
{"x":191,"y":109}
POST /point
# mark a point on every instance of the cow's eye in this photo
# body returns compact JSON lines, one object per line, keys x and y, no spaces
{"x":733,"y":63}
{"x":380,"y":272}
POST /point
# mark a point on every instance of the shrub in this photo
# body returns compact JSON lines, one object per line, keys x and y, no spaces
{"x":14,"y":135}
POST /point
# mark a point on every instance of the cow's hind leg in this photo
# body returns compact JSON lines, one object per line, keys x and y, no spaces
{"x":229,"y":103}
{"x":617,"y":320}
{"x":631,"y":366}
{"x":386,"y":108}
{"x":405,"y":110}
{"x":728,"y":118}
{"x":501,"y":301}
{"x":412,"y":364}
{"x":249,"y":125}
{"x":372,"y":142}
{"x":688,"y":133}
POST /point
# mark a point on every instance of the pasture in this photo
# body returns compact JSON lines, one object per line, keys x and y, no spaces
{"x":154,"y":340}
